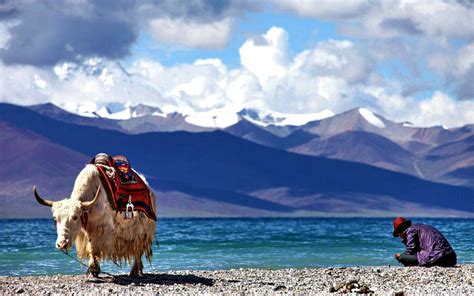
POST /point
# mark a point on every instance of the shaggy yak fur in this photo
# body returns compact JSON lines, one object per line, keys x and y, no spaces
{"x":106,"y":235}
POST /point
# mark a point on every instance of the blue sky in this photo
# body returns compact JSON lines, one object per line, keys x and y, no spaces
{"x":405,"y":60}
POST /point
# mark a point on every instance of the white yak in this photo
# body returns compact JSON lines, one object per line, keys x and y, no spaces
{"x":99,"y":232}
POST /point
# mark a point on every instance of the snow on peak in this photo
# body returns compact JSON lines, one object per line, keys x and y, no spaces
{"x":128,"y":111}
{"x":225,"y":118}
{"x":266,"y":118}
{"x":86,"y":109}
{"x":104,"y":112}
{"x":371,"y":118}
{"x":117,"y":111}
{"x":144,"y":110}
{"x":212,"y":119}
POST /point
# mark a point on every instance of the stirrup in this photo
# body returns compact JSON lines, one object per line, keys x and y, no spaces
{"x":129,"y":209}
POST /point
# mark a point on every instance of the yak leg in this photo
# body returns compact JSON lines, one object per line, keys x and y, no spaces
{"x":137,"y":269}
{"x":94,"y":266}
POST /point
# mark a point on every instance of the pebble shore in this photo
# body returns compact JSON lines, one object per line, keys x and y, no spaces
{"x":381,"y":280}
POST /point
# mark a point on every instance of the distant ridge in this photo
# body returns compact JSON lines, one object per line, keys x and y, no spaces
{"x":217,"y":174}
{"x":352,"y":135}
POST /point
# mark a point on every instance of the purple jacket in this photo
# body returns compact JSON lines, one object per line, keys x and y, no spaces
{"x":427,"y":243}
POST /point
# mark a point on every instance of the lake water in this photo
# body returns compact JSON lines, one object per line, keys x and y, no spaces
{"x":27,"y":246}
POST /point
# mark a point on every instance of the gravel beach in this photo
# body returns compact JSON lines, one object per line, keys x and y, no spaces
{"x":378,"y":280}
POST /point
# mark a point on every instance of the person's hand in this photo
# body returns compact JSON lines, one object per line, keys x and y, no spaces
{"x":397,"y":256}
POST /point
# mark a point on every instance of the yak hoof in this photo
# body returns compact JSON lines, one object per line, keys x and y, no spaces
{"x":136,"y":272}
{"x":93,"y":271}
{"x":137,"y":268}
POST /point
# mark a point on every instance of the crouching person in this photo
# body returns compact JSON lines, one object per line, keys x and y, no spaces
{"x":425,"y":245}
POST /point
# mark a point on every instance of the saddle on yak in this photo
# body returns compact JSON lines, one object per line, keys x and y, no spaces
{"x":125,"y":189}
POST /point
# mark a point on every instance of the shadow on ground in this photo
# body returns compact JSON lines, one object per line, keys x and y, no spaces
{"x":157,"y":279}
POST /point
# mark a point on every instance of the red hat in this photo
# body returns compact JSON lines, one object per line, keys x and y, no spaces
{"x":399,"y":225}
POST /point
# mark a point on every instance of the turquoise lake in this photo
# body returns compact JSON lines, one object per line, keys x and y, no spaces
{"x":27,"y":246}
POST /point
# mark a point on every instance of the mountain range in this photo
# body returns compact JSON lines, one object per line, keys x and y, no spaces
{"x":262,"y":164}
{"x":434,"y":153}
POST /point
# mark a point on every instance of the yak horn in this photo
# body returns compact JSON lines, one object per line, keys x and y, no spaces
{"x":89,"y":204}
{"x":44,"y":202}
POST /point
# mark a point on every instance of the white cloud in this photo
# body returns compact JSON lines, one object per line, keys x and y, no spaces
{"x":402,"y":36}
{"x":191,"y":34}
{"x":445,"y":18}
{"x":18,"y":85}
{"x":268,"y":79}
{"x":4,"y":35}
{"x":63,"y":70}
{"x":149,"y":69}
{"x":436,"y":19}
{"x":244,"y":90}
{"x":324,"y":9}
{"x":334,"y":57}
{"x":266,"y":56}
{"x":393,"y":104}
{"x":39,"y":82}
{"x":316,"y":79}
{"x":451,"y":62}
{"x":203,"y":86}
{"x":465,"y":60}
{"x":330,"y":75}
{"x":199,"y":86}
{"x":441,"y":109}
{"x":385,"y":19}
{"x":77,"y":88}
{"x":456,"y":67}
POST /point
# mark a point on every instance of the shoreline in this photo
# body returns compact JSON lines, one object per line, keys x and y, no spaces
{"x":381,"y":280}
{"x":322,"y":216}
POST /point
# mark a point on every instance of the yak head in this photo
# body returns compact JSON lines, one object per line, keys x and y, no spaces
{"x":67,"y":217}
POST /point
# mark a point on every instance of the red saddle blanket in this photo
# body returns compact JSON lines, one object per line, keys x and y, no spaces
{"x":123,"y":184}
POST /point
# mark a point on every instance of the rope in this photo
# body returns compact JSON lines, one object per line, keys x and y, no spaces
{"x":110,"y":171}
{"x":82,"y":263}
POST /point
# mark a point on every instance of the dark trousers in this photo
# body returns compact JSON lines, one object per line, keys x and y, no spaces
{"x":448,"y":260}
{"x":408,"y":260}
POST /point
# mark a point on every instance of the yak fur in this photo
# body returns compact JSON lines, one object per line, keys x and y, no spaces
{"x":108,"y":235}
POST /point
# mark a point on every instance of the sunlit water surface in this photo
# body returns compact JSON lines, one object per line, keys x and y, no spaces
{"x":27,"y":246}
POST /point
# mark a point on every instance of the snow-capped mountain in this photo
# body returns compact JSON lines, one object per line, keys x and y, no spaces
{"x":99,"y":88}
{"x":371,"y":118}
{"x":355,"y":135}
{"x":260,"y":117}
{"x":213,"y":119}
{"x":210,"y":119}
{"x":217,"y":174}
{"x":266,"y":117}
{"x":105,"y":89}
{"x":129,"y":111}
